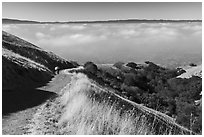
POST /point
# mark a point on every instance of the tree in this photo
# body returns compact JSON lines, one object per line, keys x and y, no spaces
{"x":132,"y":65}
{"x":90,"y":67}
{"x":130,"y":79}
{"x":118,"y":65}
{"x":192,"y":65}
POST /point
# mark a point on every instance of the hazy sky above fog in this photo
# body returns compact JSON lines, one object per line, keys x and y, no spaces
{"x":100,"y":11}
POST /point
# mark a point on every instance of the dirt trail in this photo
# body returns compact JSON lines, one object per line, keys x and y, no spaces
{"x":14,"y":123}
{"x":45,"y":119}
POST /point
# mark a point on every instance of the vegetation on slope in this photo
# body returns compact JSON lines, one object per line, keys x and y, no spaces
{"x":84,"y":108}
{"x":157,"y":88}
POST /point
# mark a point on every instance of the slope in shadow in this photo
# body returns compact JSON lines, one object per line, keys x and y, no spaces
{"x":25,"y":67}
{"x":19,"y":86}
{"x":21,"y":99}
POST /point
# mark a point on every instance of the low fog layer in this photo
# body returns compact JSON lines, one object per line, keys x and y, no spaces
{"x":163,"y":43}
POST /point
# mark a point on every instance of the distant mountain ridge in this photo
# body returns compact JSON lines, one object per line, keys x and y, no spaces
{"x":17,"y":21}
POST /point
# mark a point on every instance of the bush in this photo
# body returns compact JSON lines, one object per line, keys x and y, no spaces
{"x":118,"y":65}
{"x":132,"y":92}
{"x":185,"y":112}
{"x":90,"y":67}
{"x":192,"y":65}
{"x":130,"y":79}
{"x":132,"y":65}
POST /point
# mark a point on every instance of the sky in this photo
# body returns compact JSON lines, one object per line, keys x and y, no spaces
{"x":67,"y":11}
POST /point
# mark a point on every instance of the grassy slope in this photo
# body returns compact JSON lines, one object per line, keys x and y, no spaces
{"x":20,"y":71}
{"x":25,"y":64}
{"x":24,"y":68}
{"x":32,"y":52}
{"x":83,"y":107}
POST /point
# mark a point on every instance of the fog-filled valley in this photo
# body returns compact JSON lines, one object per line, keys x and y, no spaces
{"x":168,"y":44}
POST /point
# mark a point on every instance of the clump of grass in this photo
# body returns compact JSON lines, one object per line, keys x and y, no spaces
{"x":84,"y":115}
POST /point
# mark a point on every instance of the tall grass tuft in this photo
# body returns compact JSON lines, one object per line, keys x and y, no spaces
{"x":83,"y":115}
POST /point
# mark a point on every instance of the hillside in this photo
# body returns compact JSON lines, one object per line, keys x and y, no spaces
{"x":15,"y":21}
{"x":153,"y":86}
{"x":24,"y":68}
{"x":79,"y":109}
{"x":25,"y":62}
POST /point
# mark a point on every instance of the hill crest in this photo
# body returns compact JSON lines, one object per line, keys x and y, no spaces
{"x":17,"y":21}
{"x":21,"y":58}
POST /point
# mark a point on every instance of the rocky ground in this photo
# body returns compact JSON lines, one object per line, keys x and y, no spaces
{"x":192,"y":71}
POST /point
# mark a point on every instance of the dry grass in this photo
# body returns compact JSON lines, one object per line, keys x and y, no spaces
{"x":83,"y":115}
{"x":83,"y":109}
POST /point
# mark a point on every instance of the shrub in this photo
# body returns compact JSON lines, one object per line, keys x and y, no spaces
{"x":132,"y":65}
{"x":130,"y":79}
{"x":184,"y":113}
{"x":90,"y":67}
{"x":118,"y":65}
{"x":192,"y":65}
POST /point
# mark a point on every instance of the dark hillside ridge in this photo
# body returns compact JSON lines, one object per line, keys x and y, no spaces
{"x":30,"y":51}
{"x":25,"y":68}
{"x":15,"y":75}
{"x":25,"y":64}
{"x":15,"y":21}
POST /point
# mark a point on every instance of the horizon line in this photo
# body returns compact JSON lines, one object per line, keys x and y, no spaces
{"x":128,"y":19}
